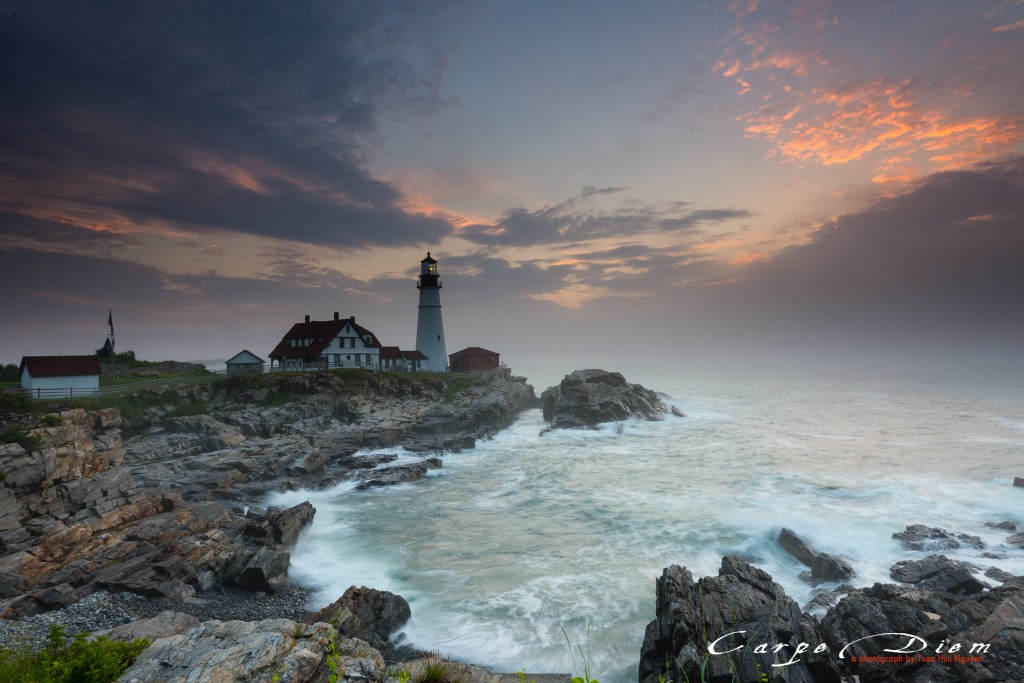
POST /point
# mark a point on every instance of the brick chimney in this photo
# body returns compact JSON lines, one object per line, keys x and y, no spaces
{"x":307,"y":318}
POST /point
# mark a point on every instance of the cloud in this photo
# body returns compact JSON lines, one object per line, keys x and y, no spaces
{"x":250,"y":117}
{"x":945,"y":253}
{"x":823,"y":99}
{"x":1015,"y":26}
{"x":568,"y":222}
{"x":57,"y":233}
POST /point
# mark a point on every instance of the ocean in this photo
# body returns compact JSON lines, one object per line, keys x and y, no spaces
{"x":528,"y":543}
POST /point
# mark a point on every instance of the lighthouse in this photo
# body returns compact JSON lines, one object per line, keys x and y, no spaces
{"x":429,"y":328}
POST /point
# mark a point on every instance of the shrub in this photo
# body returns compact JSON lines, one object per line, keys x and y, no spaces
{"x":75,"y":661}
{"x":16,"y":403}
{"x":435,"y":671}
{"x":9,"y":373}
{"x":20,"y":437}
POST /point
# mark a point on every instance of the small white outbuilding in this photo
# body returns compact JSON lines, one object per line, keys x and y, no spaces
{"x":60,"y":376}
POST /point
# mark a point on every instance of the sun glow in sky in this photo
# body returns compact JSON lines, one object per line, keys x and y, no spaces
{"x":769,"y":171}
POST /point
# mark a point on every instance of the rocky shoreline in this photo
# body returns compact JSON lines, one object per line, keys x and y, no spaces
{"x":110,"y":519}
{"x":143,"y":524}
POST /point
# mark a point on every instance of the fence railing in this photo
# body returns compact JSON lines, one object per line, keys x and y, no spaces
{"x":42,"y":394}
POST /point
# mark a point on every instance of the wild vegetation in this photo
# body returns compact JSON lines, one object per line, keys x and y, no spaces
{"x":78,"y":660}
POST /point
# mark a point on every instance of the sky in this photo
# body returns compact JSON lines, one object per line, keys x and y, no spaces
{"x":649,"y":186}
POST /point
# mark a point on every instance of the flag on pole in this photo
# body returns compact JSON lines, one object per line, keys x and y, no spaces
{"x":110,"y":320}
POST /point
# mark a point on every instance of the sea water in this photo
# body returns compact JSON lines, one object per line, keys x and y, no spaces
{"x":530,"y":542}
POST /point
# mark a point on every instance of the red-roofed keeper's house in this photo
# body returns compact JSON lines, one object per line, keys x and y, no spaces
{"x":60,"y":376}
{"x":338,"y":343}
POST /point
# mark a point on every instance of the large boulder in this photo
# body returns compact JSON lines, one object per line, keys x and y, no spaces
{"x":255,"y":652}
{"x":939,"y":572}
{"x":366,"y":613}
{"x":280,"y":528}
{"x":797,"y":547}
{"x":586,"y":398}
{"x":734,"y":613}
{"x":399,"y":474}
{"x":921,"y":537}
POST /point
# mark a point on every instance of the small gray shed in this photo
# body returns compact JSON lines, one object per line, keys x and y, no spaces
{"x":245,"y":363}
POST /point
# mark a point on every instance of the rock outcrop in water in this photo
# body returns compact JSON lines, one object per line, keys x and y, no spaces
{"x":586,"y":398}
{"x":690,"y":616}
{"x":950,"y":636}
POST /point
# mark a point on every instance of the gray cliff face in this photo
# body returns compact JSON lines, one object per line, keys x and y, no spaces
{"x":239,"y":449}
{"x":586,"y":398}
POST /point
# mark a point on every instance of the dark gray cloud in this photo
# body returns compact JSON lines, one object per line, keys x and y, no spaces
{"x":146,"y":110}
{"x":574,"y":221}
{"x":54,"y":232}
{"x":936,"y":266}
{"x":951,"y":247}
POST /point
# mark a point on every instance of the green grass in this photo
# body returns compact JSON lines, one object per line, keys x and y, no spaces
{"x":275,"y":398}
{"x":456,"y":385}
{"x":133,"y":405}
{"x":75,"y":661}
{"x":20,"y":437}
{"x":435,"y":671}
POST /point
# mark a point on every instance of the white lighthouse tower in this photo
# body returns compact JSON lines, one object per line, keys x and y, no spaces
{"x":429,"y":328}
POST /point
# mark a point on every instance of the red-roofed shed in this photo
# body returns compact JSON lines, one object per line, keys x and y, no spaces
{"x":60,"y":376}
{"x":473,"y":359}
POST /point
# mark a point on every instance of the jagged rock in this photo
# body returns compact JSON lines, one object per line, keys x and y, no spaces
{"x":822,"y":601}
{"x":1019,"y":482}
{"x":677,"y":412}
{"x":265,"y":570}
{"x":998,"y":574}
{"x":797,"y":547}
{"x":992,"y":618}
{"x":1017,"y":540}
{"x":830,"y":568}
{"x":741,"y":598}
{"x":399,"y":475}
{"x":167,"y":623}
{"x":1005,"y":525}
{"x":253,"y":652}
{"x":366,"y":613}
{"x":921,"y":537}
{"x":885,"y":608}
{"x":586,"y":398}
{"x":280,"y":528}
{"x":938,"y":572}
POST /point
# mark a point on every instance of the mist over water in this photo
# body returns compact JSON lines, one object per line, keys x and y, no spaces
{"x":527,"y":534}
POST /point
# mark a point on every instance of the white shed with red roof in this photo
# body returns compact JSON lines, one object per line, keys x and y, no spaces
{"x":60,"y":376}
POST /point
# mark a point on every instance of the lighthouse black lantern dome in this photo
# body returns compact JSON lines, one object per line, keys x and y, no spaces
{"x":429,"y":327}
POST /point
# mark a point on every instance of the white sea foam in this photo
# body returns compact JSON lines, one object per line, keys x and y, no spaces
{"x":528,"y":533}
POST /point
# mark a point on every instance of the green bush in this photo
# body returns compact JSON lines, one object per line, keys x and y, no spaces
{"x":16,"y":403}
{"x":20,"y":437}
{"x":9,"y":373}
{"x":75,"y":661}
{"x":457,"y":385}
